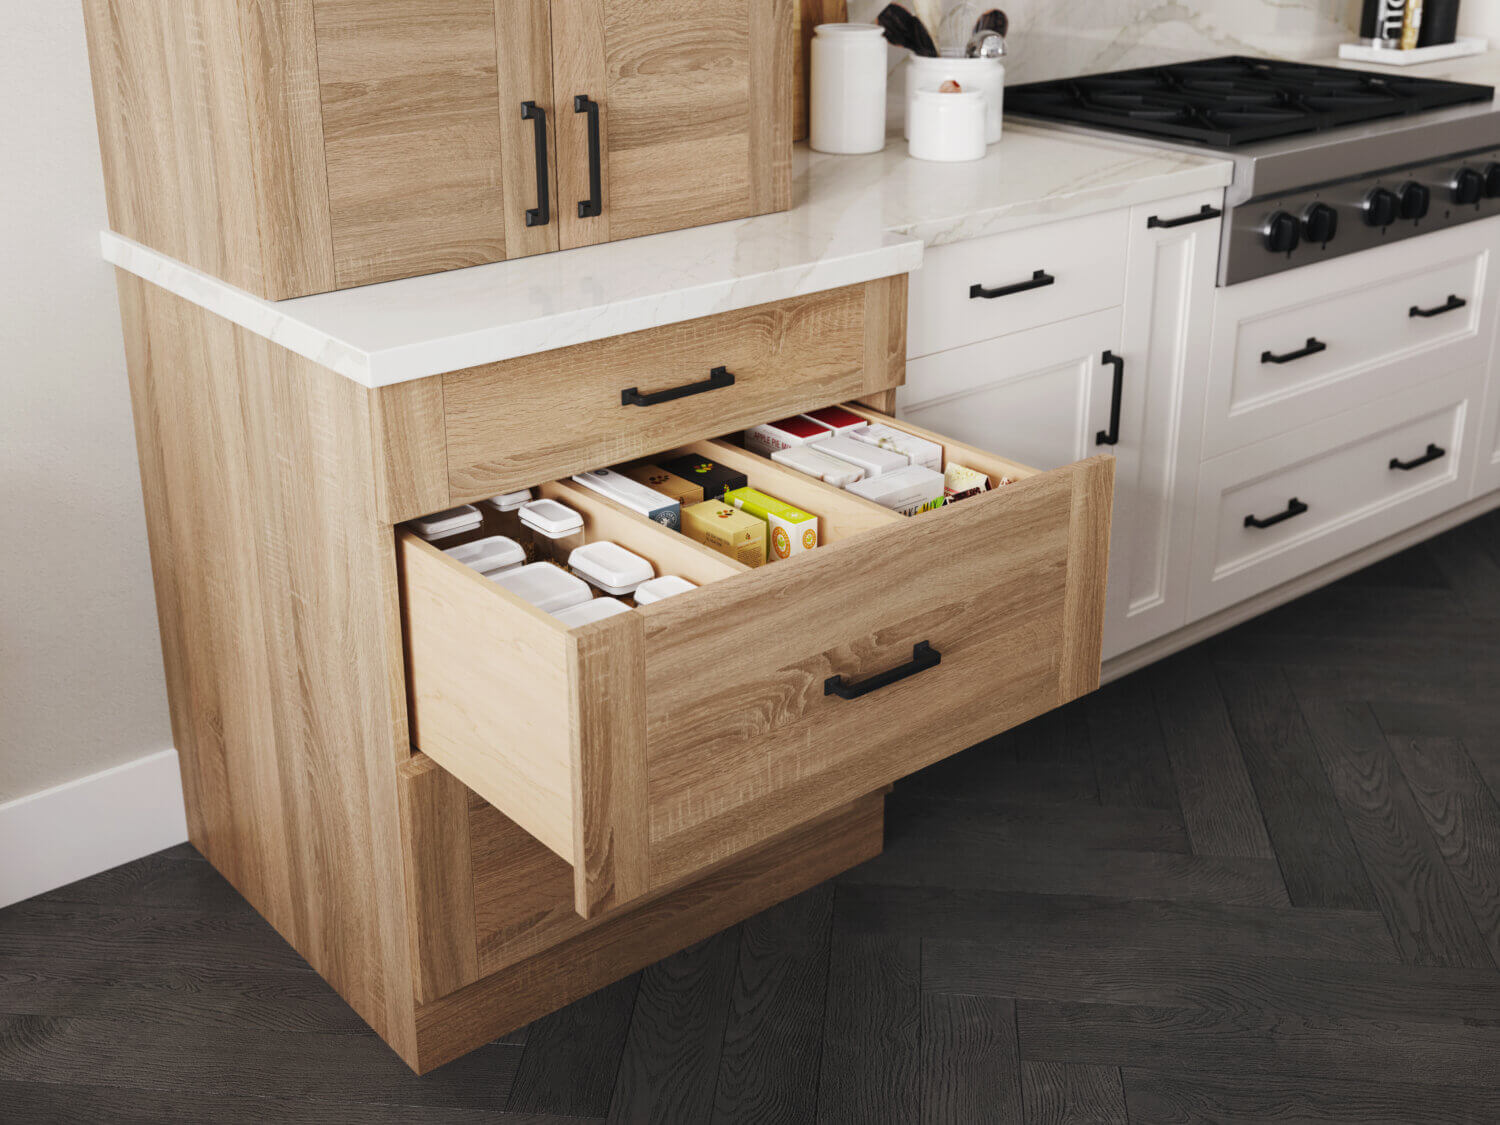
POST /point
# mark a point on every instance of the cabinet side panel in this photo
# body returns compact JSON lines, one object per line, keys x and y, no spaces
{"x":772,"y":49}
{"x":411,"y":125}
{"x":170,"y":98}
{"x":439,"y":878}
{"x":277,"y":589}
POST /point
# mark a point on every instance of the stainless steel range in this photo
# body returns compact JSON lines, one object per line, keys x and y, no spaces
{"x":1327,"y":161}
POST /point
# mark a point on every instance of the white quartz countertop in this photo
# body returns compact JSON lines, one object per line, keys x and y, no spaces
{"x":854,"y":219}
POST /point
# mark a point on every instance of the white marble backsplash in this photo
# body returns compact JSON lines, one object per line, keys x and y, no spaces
{"x":1060,"y":38}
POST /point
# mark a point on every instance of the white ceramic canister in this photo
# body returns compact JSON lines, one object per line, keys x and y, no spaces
{"x":946,"y":127}
{"x":846,"y":109}
{"x":987,"y":76}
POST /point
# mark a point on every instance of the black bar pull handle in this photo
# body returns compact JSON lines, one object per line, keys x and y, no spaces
{"x":718,"y":377}
{"x":923,"y":657}
{"x":1111,"y":436}
{"x":1294,"y":507}
{"x":1454,"y":303}
{"x":1209,"y":212}
{"x":593,"y":206}
{"x":1039,"y":280}
{"x":541,"y":214}
{"x":1434,"y":453}
{"x":1314,"y":346}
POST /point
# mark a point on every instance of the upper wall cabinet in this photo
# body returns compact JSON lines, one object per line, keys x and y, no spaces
{"x":298,"y":146}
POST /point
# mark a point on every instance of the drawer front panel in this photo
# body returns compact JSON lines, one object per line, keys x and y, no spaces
{"x":547,"y":416}
{"x":1084,"y":258}
{"x":1275,"y":511}
{"x":1344,"y":332}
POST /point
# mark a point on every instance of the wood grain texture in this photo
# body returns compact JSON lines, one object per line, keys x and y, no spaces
{"x":579,"y":68}
{"x":971,"y":1067}
{"x":524,"y":46}
{"x":572,"y":1054}
{"x":513,"y":424}
{"x":1067,"y":1093}
{"x":409,"y":431}
{"x":439,"y":880}
{"x":810,"y":13}
{"x":872,"y":1038}
{"x":288,"y":751}
{"x":772,"y":58}
{"x":411,"y":128}
{"x":621,"y":945}
{"x":885,"y":336}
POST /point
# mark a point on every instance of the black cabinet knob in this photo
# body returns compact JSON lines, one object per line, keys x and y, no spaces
{"x":1320,"y":223}
{"x":1416,"y":200}
{"x":1492,"y":181}
{"x":1381,"y":207}
{"x":1283,"y":233}
{"x":1468,"y":187}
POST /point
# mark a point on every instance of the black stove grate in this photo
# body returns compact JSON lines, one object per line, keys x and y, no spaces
{"x":1233,"y":101}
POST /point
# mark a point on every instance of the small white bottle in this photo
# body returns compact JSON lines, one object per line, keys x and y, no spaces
{"x":846,"y":108}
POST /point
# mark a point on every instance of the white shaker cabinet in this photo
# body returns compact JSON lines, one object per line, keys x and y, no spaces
{"x":1049,"y":392}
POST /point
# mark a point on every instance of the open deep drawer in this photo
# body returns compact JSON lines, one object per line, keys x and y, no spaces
{"x":650,"y":747}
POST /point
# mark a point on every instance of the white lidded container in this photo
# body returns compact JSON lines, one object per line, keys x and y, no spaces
{"x":489,"y":555}
{"x":908,"y":491}
{"x":610,"y":567}
{"x":545,"y":586}
{"x":846,"y":103}
{"x":824,"y":466}
{"x":445,"y":525}
{"x":550,"y":519}
{"x":871,"y":459}
{"x":508,"y":501}
{"x":658,"y":589}
{"x":983,"y":76}
{"x":591,"y":611}
{"x":945,"y":127}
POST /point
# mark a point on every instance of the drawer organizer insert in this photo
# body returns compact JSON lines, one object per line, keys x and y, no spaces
{"x":652,"y":746}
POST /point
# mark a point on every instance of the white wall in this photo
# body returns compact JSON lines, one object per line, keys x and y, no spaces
{"x":81,"y":684}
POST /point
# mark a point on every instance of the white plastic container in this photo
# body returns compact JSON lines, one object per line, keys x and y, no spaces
{"x":945,"y":127}
{"x":548,"y":587}
{"x":983,"y":76}
{"x":634,"y":495}
{"x":870,"y":459}
{"x":508,"y":502}
{"x":806,"y":459}
{"x":550,"y":519}
{"x":610,"y":567}
{"x":908,"y":491}
{"x":489,"y":555}
{"x":658,"y":589}
{"x":445,"y":525}
{"x":589,"y":612}
{"x":846,"y":106}
{"x":917,"y":450}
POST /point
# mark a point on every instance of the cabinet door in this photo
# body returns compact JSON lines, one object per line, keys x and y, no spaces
{"x":691,"y":101}
{"x":1171,"y":273}
{"x":415,"y":135}
{"x":1487,"y":471}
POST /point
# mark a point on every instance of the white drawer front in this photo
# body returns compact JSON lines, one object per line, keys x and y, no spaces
{"x":1084,"y":258}
{"x":1318,"y":341}
{"x":1324,"y":491}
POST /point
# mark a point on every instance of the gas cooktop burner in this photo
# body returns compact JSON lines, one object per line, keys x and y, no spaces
{"x":1233,"y":101}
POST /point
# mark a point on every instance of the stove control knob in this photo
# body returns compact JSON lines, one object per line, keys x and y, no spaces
{"x":1417,"y":198}
{"x":1492,"y":181}
{"x":1320,"y":223}
{"x":1468,"y":187}
{"x":1283,"y":233}
{"x":1381,"y":207}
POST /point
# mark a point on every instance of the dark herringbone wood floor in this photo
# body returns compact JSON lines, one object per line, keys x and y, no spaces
{"x":1260,"y":881}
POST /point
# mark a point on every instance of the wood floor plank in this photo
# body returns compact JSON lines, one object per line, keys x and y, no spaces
{"x":971,"y":1066}
{"x":1046,"y":761}
{"x":1004,"y":824}
{"x":1318,"y":859}
{"x":768,"y":1071}
{"x":1464,"y":816}
{"x":1254,"y":1043}
{"x":572,"y":1057}
{"x":1417,"y":894}
{"x":1130,"y":758}
{"x":670,"y":1065}
{"x":871,"y":1072}
{"x":1228,"y":1099}
{"x":1073,"y":1094}
{"x":1218,"y":802}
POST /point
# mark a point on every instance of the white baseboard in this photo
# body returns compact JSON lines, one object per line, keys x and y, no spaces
{"x":55,"y":837}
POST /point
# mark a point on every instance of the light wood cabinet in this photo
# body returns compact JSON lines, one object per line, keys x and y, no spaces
{"x":299,"y":146}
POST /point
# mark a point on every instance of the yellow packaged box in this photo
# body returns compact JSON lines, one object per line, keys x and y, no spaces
{"x":685,"y":492}
{"x":789,"y":530}
{"x":727,"y":530}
